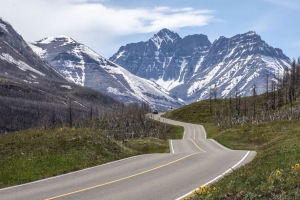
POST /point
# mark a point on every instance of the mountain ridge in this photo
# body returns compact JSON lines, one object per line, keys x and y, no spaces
{"x":189,"y":67}
{"x":80,"y":64}
{"x":34,"y":95}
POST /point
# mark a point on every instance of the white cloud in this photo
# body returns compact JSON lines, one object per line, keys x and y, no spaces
{"x":92,"y":23}
{"x":81,"y":16}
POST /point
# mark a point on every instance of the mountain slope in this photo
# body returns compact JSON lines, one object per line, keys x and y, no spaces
{"x":192,"y":67}
{"x":33,"y":94}
{"x":166,"y":57}
{"x":80,"y":64}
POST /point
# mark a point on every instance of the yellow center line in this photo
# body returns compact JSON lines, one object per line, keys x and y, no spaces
{"x":198,"y":146}
{"x":121,"y":179}
{"x":194,"y":133}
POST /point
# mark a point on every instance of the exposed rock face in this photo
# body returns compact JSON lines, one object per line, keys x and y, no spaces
{"x":166,"y":56}
{"x":192,"y":66}
{"x":80,"y":64}
{"x":33,"y":94}
{"x":19,"y":62}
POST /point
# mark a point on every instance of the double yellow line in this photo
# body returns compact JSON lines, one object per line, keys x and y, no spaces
{"x":198,"y":146}
{"x":195,"y":142}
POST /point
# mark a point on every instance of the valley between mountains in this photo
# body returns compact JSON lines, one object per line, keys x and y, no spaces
{"x":168,"y":71}
{"x":65,"y":108}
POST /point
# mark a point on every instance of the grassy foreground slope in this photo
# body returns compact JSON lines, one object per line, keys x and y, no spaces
{"x":36,"y":154}
{"x":273,"y":174}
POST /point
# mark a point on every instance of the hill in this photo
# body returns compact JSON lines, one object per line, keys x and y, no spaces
{"x":33,"y":94}
{"x":275,"y":171}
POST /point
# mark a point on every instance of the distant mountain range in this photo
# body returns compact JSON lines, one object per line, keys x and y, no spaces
{"x":81,"y":65}
{"x":192,"y":67}
{"x":166,"y":71}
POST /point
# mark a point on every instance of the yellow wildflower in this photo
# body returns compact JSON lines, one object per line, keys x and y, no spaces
{"x":278,"y":172}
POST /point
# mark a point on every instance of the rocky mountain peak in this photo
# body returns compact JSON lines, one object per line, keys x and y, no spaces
{"x":81,"y":65}
{"x":251,"y":33}
{"x":189,"y":67}
{"x":165,"y":37}
{"x":62,"y":40}
{"x":195,"y":43}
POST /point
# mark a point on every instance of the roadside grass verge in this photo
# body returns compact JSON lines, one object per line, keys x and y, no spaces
{"x":273,"y":174}
{"x":275,"y":171}
{"x":156,"y":145}
{"x":36,"y":154}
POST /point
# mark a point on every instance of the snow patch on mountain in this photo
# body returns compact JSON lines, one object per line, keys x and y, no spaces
{"x":3,"y":26}
{"x":138,"y":85}
{"x":80,"y":64}
{"x":70,"y":72}
{"x":157,"y":41}
{"x":191,"y":66}
{"x":39,"y":51}
{"x":67,"y":40}
{"x":169,"y":84}
{"x":66,"y":86}
{"x":20,"y":64}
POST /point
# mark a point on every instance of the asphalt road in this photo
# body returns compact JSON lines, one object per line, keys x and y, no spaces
{"x":193,"y":161}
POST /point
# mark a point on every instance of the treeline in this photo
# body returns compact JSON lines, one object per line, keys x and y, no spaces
{"x":279,"y":102}
{"x":25,"y":106}
{"x":128,"y":121}
{"x":36,"y":106}
{"x":18,"y":114}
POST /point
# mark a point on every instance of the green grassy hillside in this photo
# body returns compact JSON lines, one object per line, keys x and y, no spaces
{"x":273,"y":174}
{"x":36,"y":154}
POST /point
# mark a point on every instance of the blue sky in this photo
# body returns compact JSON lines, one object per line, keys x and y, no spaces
{"x":105,"y":25}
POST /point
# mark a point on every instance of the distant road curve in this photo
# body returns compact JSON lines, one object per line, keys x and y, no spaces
{"x":193,"y":161}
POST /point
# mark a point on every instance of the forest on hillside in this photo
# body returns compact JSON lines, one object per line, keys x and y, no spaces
{"x":278,"y":102}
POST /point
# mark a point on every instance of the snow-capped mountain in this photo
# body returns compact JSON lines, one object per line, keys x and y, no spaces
{"x":18,"y":62}
{"x":191,"y":67}
{"x":80,"y":64}
{"x":33,"y":94}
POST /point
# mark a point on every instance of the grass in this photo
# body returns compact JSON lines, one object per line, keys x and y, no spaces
{"x":155,"y":145}
{"x":196,"y":113}
{"x":273,"y":174}
{"x":36,"y":154}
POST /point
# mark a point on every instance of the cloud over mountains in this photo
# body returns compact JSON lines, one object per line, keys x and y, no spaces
{"x":93,"y":17}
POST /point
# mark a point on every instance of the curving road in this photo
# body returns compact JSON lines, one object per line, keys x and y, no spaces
{"x":193,"y":161}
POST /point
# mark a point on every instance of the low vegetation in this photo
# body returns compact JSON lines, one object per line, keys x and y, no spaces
{"x":33,"y":106}
{"x":122,"y":132}
{"x":35,"y":154}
